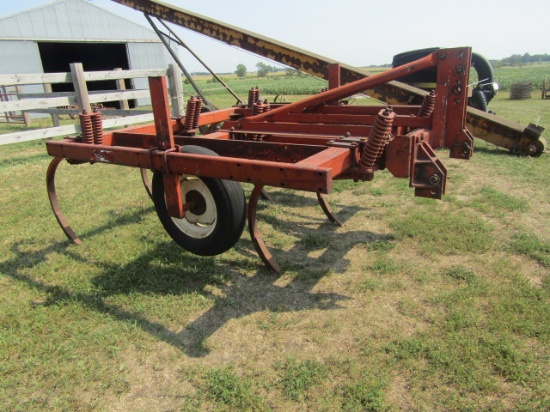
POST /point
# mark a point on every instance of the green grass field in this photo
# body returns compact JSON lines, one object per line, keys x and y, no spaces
{"x":532,"y":73}
{"x":274,"y":84}
{"x":413,"y":304}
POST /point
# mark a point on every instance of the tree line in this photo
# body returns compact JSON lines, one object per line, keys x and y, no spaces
{"x":262,"y":70}
{"x":521,"y":59}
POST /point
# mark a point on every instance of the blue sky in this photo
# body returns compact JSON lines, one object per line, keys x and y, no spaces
{"x":359,"y":32}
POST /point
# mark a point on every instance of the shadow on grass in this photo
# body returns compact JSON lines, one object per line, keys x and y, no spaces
{"x":167,"y":270}
{"x":494,"y":150}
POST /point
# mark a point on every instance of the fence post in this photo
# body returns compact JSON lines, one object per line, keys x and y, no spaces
{"x":176,"y":91}
{"x":4,"y":97}
{"x":26,"y":116}
{"x":79,"y":82}
{"x":121,"y":85}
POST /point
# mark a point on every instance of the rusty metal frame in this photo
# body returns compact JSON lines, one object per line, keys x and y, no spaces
{"x":303,"y":145}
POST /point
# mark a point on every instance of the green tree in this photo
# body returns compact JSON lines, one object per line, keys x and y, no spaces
{"x":289,"y":71}
{"x":241,"y":70}
{"x":263,"y":69}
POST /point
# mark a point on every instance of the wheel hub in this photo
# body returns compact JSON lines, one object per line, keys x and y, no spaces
{"x":196,"y":202}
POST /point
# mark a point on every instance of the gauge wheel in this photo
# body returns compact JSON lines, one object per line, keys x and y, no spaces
{"x":535,"y":148}
{"x":216,"y":218}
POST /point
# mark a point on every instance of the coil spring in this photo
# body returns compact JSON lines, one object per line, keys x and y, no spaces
{"x":266,"y":106}
{"x":427,"y":105}
{"x":198,"y":107}
{"x":86,"y":126}
{"x":97,"y":127}
{"x":190,"y":114}
{"x":257,"y":108}
{"x":253,"y":96}
{"x":377,"y":139}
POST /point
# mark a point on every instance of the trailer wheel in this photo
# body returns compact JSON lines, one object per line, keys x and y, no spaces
{"x":216,"y":219}
{"x":535,"y":148}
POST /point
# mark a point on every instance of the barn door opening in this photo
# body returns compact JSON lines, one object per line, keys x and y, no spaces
{"x":57,"y":57}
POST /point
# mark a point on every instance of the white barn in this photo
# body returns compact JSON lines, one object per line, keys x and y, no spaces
{"x":48,"y":38}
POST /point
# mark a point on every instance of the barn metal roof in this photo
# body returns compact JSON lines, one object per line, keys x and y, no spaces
{"x":72,"y":20}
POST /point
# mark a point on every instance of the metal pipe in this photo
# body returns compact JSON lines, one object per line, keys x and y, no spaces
{"x":177,"y":60}
{"x":183,"y":44}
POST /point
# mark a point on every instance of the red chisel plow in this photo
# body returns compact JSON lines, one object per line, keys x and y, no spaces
{"x":305,"y":145}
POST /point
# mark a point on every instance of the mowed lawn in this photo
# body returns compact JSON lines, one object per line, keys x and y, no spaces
{"x":413,"y":304}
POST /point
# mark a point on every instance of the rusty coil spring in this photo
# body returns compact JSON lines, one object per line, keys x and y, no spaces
{"x":427,"y":105}
{"x":266,"y":106}
{"x":377,"y":139}
{"x":253,"y":97}
{"x":190,"y":113}
{"x":198,"y":107}
{"x":86,"y":127}
{"x":97,"y":126}
{"x":257,"y":108}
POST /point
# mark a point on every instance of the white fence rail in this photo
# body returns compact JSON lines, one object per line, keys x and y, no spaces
{"x":82,"y":99}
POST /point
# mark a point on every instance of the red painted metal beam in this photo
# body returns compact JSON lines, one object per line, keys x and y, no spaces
{"x":314,"y":178}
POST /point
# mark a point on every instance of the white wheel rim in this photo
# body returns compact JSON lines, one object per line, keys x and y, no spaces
{"x":197,"y":225}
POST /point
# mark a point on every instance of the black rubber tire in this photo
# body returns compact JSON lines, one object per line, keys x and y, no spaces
{"x":535,"y":148}
{"x":226,"y":205}
{"x":481,"y":65}
{"x":479,"y":100}
{"x":484,"y":71}
{"x":425,"y":76}
{"x":212,"y":127}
